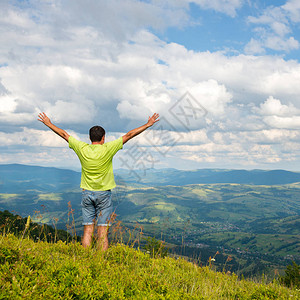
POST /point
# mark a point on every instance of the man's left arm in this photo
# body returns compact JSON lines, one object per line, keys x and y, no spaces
{"x":134,"y":132}
{"x":62,"y":133}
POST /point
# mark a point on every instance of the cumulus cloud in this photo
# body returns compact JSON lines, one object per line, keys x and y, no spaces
{"x":273,"y":106}
{"x":292,"y":7}
{"x":213,"y":96}
{"x":273,"y":29}
{"x":283,"y":122}
{"x":277,"y":43}
{"x":278,"y":115}
{"x":68,"y":112}
{"x":228,"y":7}
{"x":254,"y":46}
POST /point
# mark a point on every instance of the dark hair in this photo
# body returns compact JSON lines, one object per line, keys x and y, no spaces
{"x":96,"y":133}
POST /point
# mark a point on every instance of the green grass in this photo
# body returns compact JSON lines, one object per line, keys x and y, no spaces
{"x":50,"y":197}
{"x":30,"y":270}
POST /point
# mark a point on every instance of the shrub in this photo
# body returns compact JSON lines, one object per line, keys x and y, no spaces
{"x":155,"y":248}
{"x":292,"y":276}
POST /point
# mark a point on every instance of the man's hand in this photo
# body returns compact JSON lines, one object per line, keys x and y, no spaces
{"x":134,"y":132}
{"x":153,"y":119}
{"x":44,"y":119}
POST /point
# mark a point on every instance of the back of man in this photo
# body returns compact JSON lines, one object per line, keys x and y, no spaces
{"x":96,"y":163}
{"x":97,"y":177}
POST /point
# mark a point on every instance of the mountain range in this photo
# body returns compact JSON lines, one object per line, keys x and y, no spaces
{"x":17,"y":178}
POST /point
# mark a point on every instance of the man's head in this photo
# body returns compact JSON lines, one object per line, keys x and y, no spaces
{"x":96,"y":134}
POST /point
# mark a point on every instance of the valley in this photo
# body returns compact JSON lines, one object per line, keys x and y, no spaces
{"x":254,"y":228}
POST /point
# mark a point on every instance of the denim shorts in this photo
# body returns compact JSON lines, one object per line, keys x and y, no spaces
{"x":96,"y":205}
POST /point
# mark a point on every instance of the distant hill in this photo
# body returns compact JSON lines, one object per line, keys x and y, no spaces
{"x":158,"y":177}
{"x":16,"y":178}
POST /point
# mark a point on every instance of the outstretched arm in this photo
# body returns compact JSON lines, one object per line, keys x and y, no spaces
{"x":134,"y":132}
{"x":44,"y":119}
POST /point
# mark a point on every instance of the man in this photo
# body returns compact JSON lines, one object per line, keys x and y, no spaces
{"x":97,"y":177}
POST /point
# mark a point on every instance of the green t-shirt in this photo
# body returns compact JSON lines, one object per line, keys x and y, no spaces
{"x":96,"y":163}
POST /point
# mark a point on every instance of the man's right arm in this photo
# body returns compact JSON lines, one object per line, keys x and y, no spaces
{"x":134,"y":132}
{"x":44,"y":119}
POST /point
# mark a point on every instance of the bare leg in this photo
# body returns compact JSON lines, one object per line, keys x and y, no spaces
{"x":102,"y":232}
{"x":88,"y":231}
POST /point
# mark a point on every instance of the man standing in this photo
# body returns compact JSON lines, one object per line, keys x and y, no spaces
{"x":97,"y":177}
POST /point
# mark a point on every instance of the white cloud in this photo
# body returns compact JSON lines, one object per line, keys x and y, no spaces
{"x":8,"y":104}
{"x":278,"y":115}
{"x":292,"y":7}
{"x":34,"y":137}
{"x":280,"y":29}
{"x":272,"y":136}
{"x":281,"y":44}
{"x":212,"y":95}
{"x":68,"y":112}
{"x":274,"y":29}
{"x":130,"y":111}
{"x":273,"y":106}
{"x":254,"y":47}
{"x":228,"y":7}
{"x":283,"y":122}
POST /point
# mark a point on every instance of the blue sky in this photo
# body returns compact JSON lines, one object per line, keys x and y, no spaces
{"x":224,"y":76}
{"x":215,"y":31}
{"x":212,"y":31}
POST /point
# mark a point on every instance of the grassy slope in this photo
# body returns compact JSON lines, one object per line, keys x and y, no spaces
{"x":41,"y":270}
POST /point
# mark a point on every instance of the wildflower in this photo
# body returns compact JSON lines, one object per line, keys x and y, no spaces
{"x":229,"y":258}
{"x":28,"y":222}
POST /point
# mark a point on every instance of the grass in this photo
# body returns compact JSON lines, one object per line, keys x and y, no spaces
{"x":40,"y":270}
{"x":164,"y":206}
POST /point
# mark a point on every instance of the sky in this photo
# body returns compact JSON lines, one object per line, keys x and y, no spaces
{"x":224,"y":75}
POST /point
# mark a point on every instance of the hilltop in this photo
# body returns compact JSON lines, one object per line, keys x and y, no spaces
{"x":32,"y":270}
